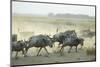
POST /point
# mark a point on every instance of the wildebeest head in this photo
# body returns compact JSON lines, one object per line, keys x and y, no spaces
{"x":22,"y":43}
{"x":81,"y":41}
{"x":49,"y":40}
{"x":58,"y":37}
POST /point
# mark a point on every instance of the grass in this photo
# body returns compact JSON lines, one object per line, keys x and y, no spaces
{"x":34,"y":25}
{"x":90,"y":51}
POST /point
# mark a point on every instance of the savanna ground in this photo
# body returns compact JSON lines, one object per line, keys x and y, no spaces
{"x":26,"y":25}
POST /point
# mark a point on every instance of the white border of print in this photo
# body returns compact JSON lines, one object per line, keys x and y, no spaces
{"x":5,"y":33}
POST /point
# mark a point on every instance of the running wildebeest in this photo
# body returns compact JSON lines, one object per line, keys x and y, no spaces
{"x":61,"y":36}
{"x":88,"y":33}
{"x":91,"y":34}
{"x":39,"y":41}
{"x":73,"y":41}
{"x":18,"y":46}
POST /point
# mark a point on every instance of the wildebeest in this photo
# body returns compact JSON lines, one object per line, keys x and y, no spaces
{"x":39,"y":41}
{"x":88,"y":33}
{"x":91,"y":34}
{"x":18,"y":46}
{"x":14,"y":37}
{"x":61,"y":36}
{"x":73,"y":41}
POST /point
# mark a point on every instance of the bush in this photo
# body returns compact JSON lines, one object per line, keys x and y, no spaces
{"x":91,"y":51}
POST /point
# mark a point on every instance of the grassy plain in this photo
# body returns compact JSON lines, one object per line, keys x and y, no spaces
{"x":27,"y":25}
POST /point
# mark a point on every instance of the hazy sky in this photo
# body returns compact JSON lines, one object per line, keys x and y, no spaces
{"x":44,"y":9}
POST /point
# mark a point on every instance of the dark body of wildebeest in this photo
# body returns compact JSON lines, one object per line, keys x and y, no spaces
{"x":39,"y":41}
{"x":68,"y":38}
{"x":18,"y":46}
{"x":73,"y":41}
{"x":60,"y":37}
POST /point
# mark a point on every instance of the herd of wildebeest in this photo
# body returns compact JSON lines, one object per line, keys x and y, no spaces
{"x":67,"y":38}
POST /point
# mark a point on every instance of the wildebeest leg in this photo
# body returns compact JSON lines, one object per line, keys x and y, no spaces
{"x":70,"y":49}
{"x":39,"y":51}
{"x":23,"y":53}
{"x":26,"y":49}
{"x":16,"y":55}
{"x":46,"y":50}
{"x":76,"y":48}
{"x":62,"y":53}
{"x":61,"y":50}
{"x":81,"y":47}
{"x":59,"y":45}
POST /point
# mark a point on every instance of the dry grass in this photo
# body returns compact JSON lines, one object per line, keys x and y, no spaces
{"x":25,"y":27}
{"x":90,"y":51}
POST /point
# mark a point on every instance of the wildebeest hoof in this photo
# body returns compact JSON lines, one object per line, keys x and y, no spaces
{"x":46,"y":56}
{"x":25,"y":56}
{"x":68,"y":51}
{"x":39,"y":55}
{"x":16,"y":58}
{"x":61,"y":55}
{"x":80,"y":48}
